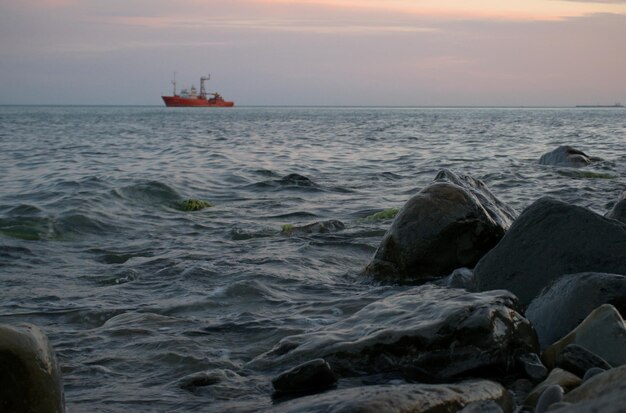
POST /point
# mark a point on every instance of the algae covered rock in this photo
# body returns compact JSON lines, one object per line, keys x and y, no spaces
{"x":30,"y":378}
{"x":193,"y":205}
{"x":321,"y":227}
{"x":388,"y":213}
{"x":449,"y":224}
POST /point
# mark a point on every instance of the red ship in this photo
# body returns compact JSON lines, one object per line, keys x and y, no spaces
{"x":190,"y":98}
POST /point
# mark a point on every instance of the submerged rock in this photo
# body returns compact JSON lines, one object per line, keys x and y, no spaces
{"x":427,"y":332}
{"x":30,"y":378}
{"x":551,"y":238}
{"x":603,"y":333}
{"x":296,"y":180}
{"x":388,"y":213}
{"x":618,"y":211}
{"x":310,"y":376}
{"x":193,"y":205}
{"x":421,"y":398}
{"x":449,"y":224}
{"x":321,"y":227}
{"x":561,"y":306}
{"x":565,"y":156}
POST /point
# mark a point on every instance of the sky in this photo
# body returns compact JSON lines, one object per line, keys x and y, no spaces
{"x":315,"y":52}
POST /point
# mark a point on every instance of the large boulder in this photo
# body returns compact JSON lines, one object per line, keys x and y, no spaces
{"x":403,"y":398}
{"x":449,"y":224}
{"x":30,"y":379}
{"x":565,"y":156}
{"x":618,"y":211}
{"x":549,"y":239}
{"x":426,"y":333}
{"x":603,"y":333}
{"x":561,"y":306}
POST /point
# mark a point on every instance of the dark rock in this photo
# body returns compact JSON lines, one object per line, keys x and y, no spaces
{"x":531,"y":364}
{"x":460,"y":278}
{"x":566,"y":380}
{"x":561,"y":306}
{"x":603,"y":332}
{"x":551,"y":238}
{"x":565,"y":156}
{"x":427,"y":332}
{"x":483,"y":406}
{"x":578,"y":360}
{"x":321,"y":227}
{"x":30,"y":378}
{"x":552,"y":394}
{"x":296,"y":180}
{"x":449,"y":224}
{"x":592,"y":372}
{"x":312,"y":375}
{"x":618,"y":211}
{"x":405,"y":398}
{"x":605,"y":392}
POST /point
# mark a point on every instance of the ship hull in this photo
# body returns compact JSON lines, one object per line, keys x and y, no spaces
{"x":180,"y":102}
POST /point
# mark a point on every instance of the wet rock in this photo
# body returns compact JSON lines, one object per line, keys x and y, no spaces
{"x":551,"y":238}
{"x":552,"y":394}
{"x":578,"y":360}
{"x":566,"y":380}
{"x":561,"y":306}
{"x":602,"y":332}
{"x":618,"y":211}
{"x":296,"y":180}
{"x":30,"y":378}
{"x":565,"y":156}
{"x":483,"y":406}
{"x":310,"y":376}
{"x":460,"y":278}
{"x":193,"y":205}
{"x":422,"y":398}
{"x":315,"y":228}
{"x":531,"y":364}
{"x":605,"y":392}
{"x":449,"y":224}
{"x":427,"y":332}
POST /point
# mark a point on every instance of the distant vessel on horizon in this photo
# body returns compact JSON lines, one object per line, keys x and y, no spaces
{"x":191,"y":98}
{"x":616,"y":105}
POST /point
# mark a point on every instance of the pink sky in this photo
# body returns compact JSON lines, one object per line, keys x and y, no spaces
{"x":316,"y":52}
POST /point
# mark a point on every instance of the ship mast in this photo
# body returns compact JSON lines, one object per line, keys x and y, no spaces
{"x":174,"y":83}
{"x":202,"y":89}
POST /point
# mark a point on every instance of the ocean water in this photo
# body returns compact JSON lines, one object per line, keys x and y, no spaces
{"x":136,"y":295}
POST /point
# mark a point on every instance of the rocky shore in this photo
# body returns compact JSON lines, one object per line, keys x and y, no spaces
{"x":502,"y":312}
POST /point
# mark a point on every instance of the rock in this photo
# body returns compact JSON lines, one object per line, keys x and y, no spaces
{"x":421,"y":398}
{"x":193,"y":205}
{"x":565,"y":156}
{"x":605,"y":392}
{"x":460,"y":278}
{"x":296,"y":180}
{"x":310,"y":376}
{"x":483,"y":406}
{"x":388,"y":213}
{"x":552,"y":394}
{"x":427,"y":332}
{"x":551,"y":238}
{"x":315,"y":228}
{"x":449,"y":224}
{"x":565,"y":379}
{"x":618,"y":211}
{"x":592,"y":372}
{"x":30,"y":378}
{"x":578,"y":360}
{"x":561,"y":306}
{"x":533,"y":367}
{"x":602,"y":332}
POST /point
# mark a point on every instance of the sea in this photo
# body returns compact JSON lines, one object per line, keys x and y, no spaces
{"x":140,"y":298}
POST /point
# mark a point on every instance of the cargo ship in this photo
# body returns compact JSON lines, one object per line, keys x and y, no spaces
{"x":191,"y":98}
